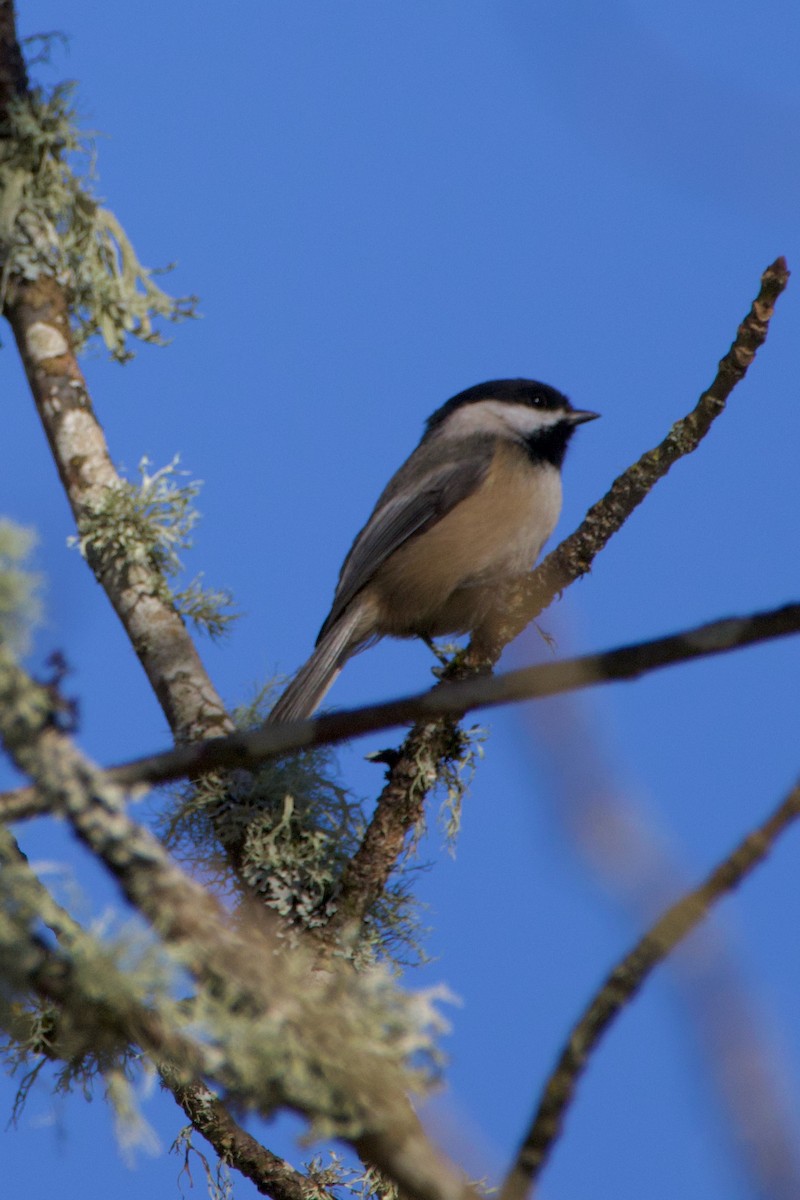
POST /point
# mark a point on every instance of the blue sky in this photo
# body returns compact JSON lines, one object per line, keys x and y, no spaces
{"x":379,"y":204}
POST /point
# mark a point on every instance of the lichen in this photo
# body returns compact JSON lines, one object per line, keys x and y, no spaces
{"x":148,"y":524}
{"x":292,"y":828}
{"x":51,"y":223}
{"x":20,"y":604}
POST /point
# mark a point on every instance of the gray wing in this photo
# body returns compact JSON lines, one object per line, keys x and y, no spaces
{"x":425,"y":488}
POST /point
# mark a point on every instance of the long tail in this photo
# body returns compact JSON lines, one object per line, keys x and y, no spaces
{"x":310,"y":685}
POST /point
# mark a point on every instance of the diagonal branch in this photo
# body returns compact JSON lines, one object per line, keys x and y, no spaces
{"x":272,"y":1176}
{"x":33,"y":903}
{"x":77,"y":974}
{"x":622,"y":985}
{"x":573,"y":558}
{"x":575,"y":555}
{"x":352,"y":1079}
{"x":38,"y":311}
{"x":75,"y":978}
{"x":631,"y":859}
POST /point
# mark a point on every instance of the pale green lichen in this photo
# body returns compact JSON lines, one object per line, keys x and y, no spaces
{"x":339,"y":1046}
{"x":52,"y":224}
{"x":337,"y":1177}
{"x":295,"y":1047}
{"x":455,"y":775}
{"x":20,"y":605}
{"x":292,"y":828}
{"x":219,"y":1184}
{"x":148,"y":524}
{"x":81,"y":1049}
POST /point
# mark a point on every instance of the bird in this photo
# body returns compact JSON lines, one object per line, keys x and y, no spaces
{"x":468,"y":511}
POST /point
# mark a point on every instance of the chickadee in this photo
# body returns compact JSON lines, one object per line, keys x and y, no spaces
{"x":467,"y":512}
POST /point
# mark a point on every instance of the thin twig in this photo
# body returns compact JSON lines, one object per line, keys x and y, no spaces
{"x":247,"y":750}
{"x":573,"y":557}
{"x":614,"y":839}
{"x":403,"y":799}
{"x":624,"y":982}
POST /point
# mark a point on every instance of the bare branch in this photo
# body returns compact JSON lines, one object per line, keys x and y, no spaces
{"x":624,"y":982}
{"x":433,"y":739}
{"x":617,"y":841}
{"x":401,"y":808}
{"x":575,"y":555}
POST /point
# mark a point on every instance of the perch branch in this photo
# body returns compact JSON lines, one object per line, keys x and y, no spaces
{"x":406,"y":786}
{"x":247,"y":750}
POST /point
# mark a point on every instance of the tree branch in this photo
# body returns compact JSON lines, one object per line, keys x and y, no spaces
{"x":31,"y":902}
{"x":38,"y":312}
{"x":624,"y":982}
{"x":186,"y":917}
{"x":575,"y":555}
{"x":247,"y":750}
{"x":616,"y":841}
{"x":573,"y":558}
{"x":272,"y":1176}
{"x":39,"y":315}
{"x":13,"y":76}
{"x":73,"y":976}
{"x":353,"y":1081}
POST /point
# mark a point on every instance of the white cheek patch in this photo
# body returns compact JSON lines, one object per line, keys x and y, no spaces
{"x":499,"y":417}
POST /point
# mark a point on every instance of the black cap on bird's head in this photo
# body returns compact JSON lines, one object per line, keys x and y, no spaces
{"x":528,"y":392}
{"x":535,"y":413}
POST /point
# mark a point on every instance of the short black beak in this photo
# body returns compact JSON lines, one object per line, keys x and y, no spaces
{"x":578,"y":416}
